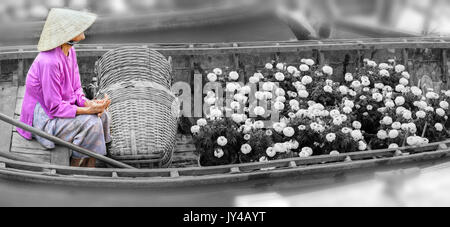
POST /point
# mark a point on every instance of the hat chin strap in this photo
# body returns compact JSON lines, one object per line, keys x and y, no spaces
{"x":72,"y":43}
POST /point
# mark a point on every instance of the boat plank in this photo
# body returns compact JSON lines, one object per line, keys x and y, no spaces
{"x":19,"y":142}
{"x":39,"y":157}
{"x":18,"y":109}
{"x":7,"y":106}
{"x":60,"y":156}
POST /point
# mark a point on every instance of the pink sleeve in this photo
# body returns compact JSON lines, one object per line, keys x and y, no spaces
{"x":81,"y":99}
{"x":51,"y":89}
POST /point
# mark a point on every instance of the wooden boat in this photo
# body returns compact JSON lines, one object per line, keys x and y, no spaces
{"x":429,"y":56}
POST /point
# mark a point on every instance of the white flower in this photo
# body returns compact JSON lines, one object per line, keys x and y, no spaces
{"x":222,"y":141}
{"x":288,"y":132}
{"x":377,"y":97}
{"x":308,"y":151}
{"x":444,"y":105}
{"x":393,"y":146}
{"x":253,"y":80}
{"x":271,"y":152}
{"x":195,"y":129}
{"x":393,"y":134}
{"x":362,"y":146}
{"x":366,"y":83}
{"x":279,"y":106}
{"x":334,"y":153}
{"x":404,"y":82}
{"x":247,"y":137}
{"x":303,"y":94}
{"x":280,"y":99}
{"x":382,"y":135}
{"x":357,"y":135}
{"x":384,"y":73}
{"x":263,"y":159}
{"x":260,"y":95}
{"x":302,"y":128}
{"x":421,"y":114}
{"x":280,"y":66}
{"x":210,"y":101}
{"x":357,"y":125}
{"x":218,"y":71}
{"x":400,"y":110}
{"x":372,"y":63}
{"x":349,"y":103}
{"x":309,"y":62}
{"x":352,"y":93}
{"x":259,"y":124}
{"x":406,"y":75}
{"x":407,"y":115}
{"x":346,"y":130}
{"x":429,"y":109}
{"x":379,"y":86}
{"x":246,"y":149}
{"x":280,"y":92}
{"x":294,"y":144}
{"x":432,"y":95}
{"x":356,"y":84}
{"x":412,"y":128}
{"x":259,"y":111}
{"x":327,"y":70}
{"x":328,"y":89}
{"x":439,"y":127}
{"x":279,"y":76}
{"x":416,"y":91}
{"x":447,"y":93}
{"x":218,"y":153}
{"x":235,"y":105}
{"x":234,"y":75}
{"x":440,"y":112}
{"x":337,"y":121}
{"x":258,"y":75}
{"x":383,"y":66}
{"x":269,"y":66}
{"x":304,"y":68}
{"x":348,"y":77}
{"x":396,"y":125}
{"x":347,"y":110}
{"x":268,"y":86}
{"x":278,"y":127}
{"x":231,"y":87}
{"x":202,"y":122}
{"x":369,"y":107}
{"x":387,"y":120}
{"x":399,"y":68}
{"x":307,"y":80}
{"x":331,"y":137}
{"x":212,"y":77}
{"x":294,"y":103}
{"x":400,"y":101}
{"x":400,"y":88}
{"x":291,"y":69}
{"x":343,"y":90}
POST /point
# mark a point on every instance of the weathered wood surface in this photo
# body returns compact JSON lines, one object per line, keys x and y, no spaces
{"x":7,"y":103}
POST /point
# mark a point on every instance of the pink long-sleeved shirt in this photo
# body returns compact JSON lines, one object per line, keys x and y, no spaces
{"x":53,"y":81}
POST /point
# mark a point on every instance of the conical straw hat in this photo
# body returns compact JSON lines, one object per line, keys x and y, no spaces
{"x":63,"y":25}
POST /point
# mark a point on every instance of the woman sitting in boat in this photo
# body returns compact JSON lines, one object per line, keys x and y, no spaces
{"x":54,"y":100}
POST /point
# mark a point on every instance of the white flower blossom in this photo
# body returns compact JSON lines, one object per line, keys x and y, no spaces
{"x":393,"y":134}
{"x":304,"y":68}
{"x":387,"y":120}
{"x":362,"y":146}
{"x":328,"y":89}
{"x":348,"y":77}
{"x":218,"y":153}
{"x":334,"y":153}
{"x":382,"y":135}
{"x":280,"y":66}
{"x":357,"y":135}
{"x":421,"y":114}
{"x":291,"y":69}
{"x":222,"y":141}
{"x":218,"y":71}
{"x":271,"y":152}
{"x":400,"y":101}
{"x":357,"y":125}
{"x":400,"y":68}
{"x":234,"y":75}
{"x":444,"y":105}
{"x":331,"y":137}
{"x":288,"y":132}
{"x":327,"y":70}
{"x":212,"y":77}
{"x":202,"y":122}
{"x":439,"y":127}
{"x":279,"y":76}
{"x":307,"y":80}
{"x":384,"y":73}
{"x":440,"y":112}
{"x":310,"y":62}
{"x":195,"y":129}
{"x":259,"y":111}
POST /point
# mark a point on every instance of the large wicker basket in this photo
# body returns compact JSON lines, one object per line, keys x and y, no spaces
{"x":144,"y":111}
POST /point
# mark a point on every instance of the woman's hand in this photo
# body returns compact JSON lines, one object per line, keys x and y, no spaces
{"x":95,"y":107}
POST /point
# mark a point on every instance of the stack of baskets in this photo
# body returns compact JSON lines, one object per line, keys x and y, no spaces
{"x":144,"y":111}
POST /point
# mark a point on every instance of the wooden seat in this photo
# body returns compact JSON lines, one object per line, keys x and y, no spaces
{"x":32,"y":149}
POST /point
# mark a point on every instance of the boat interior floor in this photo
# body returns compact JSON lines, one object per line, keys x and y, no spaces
{"x":11,"y":98}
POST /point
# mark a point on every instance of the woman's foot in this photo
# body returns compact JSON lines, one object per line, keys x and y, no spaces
{"x":76,"y":162}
